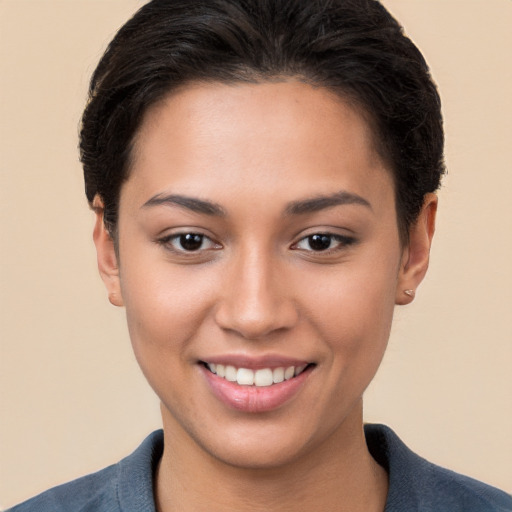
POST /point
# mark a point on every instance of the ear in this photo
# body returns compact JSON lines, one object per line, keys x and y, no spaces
{"x":106,"y":255}
{"x":415,"y":257}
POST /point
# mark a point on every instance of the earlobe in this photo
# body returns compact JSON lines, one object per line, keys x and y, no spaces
{"x":106,"y":255}
{"x":416,"y":255}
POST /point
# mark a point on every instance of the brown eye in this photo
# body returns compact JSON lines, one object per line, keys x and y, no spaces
{"x":190,"y":241}
{"x":324,"y":242}
{"x":319,"y":242}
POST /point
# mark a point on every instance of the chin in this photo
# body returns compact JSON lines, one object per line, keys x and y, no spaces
{"x":256,"y":455}
{"x":244,"y":443}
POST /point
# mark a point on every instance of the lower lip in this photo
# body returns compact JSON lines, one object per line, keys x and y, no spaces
{"x":255,"y":398}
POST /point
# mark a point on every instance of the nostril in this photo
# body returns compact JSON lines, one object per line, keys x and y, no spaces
{"x":256,"y":320}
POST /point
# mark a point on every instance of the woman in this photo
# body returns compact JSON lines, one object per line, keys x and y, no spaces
{"x":263,"y":178}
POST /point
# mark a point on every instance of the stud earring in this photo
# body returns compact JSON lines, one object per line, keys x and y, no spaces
{"x":410,"y":293}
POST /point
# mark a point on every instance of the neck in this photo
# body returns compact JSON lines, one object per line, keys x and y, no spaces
{"x":341,"y":475}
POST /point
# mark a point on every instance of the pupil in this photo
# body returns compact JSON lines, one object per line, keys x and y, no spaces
{"x":191,"y":241}
{"x":319,"y":242}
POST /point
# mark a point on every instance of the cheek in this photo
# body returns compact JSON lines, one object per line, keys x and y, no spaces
{"x":353,"y":309}
{"x":164,"y":309}
{"x":164,"y":306}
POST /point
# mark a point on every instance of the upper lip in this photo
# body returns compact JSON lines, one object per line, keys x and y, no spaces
{"x":255,"y":362}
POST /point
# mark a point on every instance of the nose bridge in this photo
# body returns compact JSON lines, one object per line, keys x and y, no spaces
{"x":256,"y":301}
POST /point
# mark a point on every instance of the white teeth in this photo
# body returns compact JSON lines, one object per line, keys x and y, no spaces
{"x":263,"y":377}
{"x":230,"y":373}
{"x":278,"y":375}
{"x":299,"y":369}
{"x":260,"y":378}
{"x":289,"y":373}
{"x":245,"y":377}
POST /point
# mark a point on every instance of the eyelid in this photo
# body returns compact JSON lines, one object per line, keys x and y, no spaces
{"x":166,"y":241}
{"x":344,"y":241}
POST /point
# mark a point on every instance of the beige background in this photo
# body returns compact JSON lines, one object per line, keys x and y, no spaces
{"x":72,"y":398}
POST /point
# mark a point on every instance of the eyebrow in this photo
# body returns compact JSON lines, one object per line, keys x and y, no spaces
{"x":316,"y":204}
{"x":190,"y":203}
{"x":303,"y":206}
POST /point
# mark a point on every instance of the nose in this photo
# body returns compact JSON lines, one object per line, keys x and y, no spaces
{"x":256,"y":301}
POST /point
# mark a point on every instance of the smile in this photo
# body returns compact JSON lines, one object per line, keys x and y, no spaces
{"x":262,"y":377}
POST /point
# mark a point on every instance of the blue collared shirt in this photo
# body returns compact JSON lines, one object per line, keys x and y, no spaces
{"x":414,"y":483}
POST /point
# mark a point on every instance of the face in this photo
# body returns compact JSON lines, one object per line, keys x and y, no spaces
{"x":259,"y":264}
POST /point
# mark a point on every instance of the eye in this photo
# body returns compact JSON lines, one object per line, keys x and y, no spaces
{"x":323,"y":242}
{"x":189,"y":242}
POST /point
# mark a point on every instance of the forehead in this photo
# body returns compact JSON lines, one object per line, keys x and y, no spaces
{"x":266,"y":135}
{"x":254,"y":110}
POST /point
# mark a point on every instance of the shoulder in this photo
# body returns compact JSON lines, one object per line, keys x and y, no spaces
{"x":127,"y":485}
{"x":416,"y":484}
{"x":91,"y":492}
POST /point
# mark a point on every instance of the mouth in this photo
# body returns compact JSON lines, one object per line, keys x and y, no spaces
{"x":256,"y":385}
{"x":261,"y":377}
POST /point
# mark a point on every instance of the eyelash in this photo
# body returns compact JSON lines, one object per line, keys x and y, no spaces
{"x":179,"y":238}
{"x":341,"y":241}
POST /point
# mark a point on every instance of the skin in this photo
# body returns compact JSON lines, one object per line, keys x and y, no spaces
{"x":257,"y":288}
